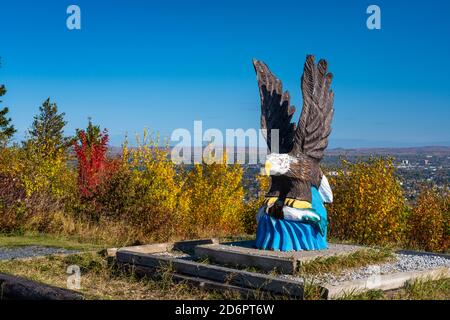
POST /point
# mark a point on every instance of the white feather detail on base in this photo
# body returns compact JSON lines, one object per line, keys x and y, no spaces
{"x":294,"y":214}
{"x":325,"y":190}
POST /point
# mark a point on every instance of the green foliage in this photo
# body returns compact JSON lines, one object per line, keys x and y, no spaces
{"x":47,"y":131}
{"x":93,"y":133}
{"x":6,"y":128}
{"x":369,"y":206}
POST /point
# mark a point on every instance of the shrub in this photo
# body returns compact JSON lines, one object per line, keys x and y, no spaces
{"x":138,"y":191}
{"x":152,"y":199}
{"x":248,"y":217}
{"x":92,"y":161}
{"x":30,"y":193}
{"x":368,"y":203}
{"x":429,"y":221}
{"x":216,"y":200}
{"x":36,"y":178}
{"x":40,"y":172}
{"x":155,"y":189}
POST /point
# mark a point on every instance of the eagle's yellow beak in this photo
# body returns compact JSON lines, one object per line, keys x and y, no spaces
{"x":267,"y":167}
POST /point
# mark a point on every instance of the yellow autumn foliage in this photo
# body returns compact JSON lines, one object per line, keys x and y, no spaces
{"x":35,"y":187}
{"x":159,"y":200}
{"x":369,"y":205}
{"x":252,"y":206}
{"x":429,"y":221}
{"x":215,"y":199}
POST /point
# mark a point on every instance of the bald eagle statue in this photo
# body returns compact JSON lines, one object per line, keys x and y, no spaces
{"x":293,"y":216}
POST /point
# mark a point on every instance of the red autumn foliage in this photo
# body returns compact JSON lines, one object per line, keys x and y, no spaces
{"x":93,"y":165}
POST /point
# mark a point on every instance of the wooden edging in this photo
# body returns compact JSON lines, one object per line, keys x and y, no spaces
{"x":17,"y":288}
{"x":220,"y":274}
{"x":224,"y":254}
{"x":244,"y":293}
{"x":383,"y":282}
{"x":186,"y":246}
{"x":189,"y":246}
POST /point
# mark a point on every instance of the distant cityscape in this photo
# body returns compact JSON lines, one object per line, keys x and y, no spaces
{"x":415,"y":166}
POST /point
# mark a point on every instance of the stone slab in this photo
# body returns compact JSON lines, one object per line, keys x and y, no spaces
{"x":244,"y":253}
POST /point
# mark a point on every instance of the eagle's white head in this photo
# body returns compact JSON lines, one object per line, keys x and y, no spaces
{"x":278,"y":164}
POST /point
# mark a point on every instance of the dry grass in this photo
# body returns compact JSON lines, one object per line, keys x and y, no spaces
{"x":101,"y":280}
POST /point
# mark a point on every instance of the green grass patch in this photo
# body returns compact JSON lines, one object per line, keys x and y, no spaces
{"x":46,"y":240}
{"x":336,"y":264}
{"x":425,"y":290}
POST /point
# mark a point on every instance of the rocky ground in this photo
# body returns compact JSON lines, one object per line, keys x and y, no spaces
{"x":7,"y":253}
{"x":402,"y":263}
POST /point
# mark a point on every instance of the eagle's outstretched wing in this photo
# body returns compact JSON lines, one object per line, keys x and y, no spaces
{"x":314,"y":127}
{"x":276,"y":111}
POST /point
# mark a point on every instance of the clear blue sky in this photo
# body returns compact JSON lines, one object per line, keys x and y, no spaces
{"x":164,"y":64}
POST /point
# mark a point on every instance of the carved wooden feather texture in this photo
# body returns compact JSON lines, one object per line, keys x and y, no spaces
{"x":311,"y":136}
{"x":308,"y":141}
{"x":276,"y":111}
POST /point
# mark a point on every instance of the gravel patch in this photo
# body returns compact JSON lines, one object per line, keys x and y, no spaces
{"x":30,"y":252}
{"x":402,"y":263}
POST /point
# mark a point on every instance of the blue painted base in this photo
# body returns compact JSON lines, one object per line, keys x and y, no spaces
{"x":285,"y":235}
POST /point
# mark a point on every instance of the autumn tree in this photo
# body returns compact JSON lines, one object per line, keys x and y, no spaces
{"x":92,"y":133}
{"x":44,"y":152}
{"x":91,"y":147}
{"x":6,"y":128}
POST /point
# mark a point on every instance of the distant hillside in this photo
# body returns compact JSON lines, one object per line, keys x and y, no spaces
{"x":430,"y":150}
